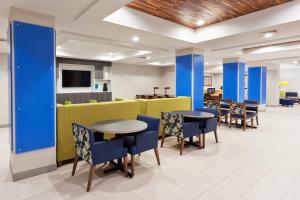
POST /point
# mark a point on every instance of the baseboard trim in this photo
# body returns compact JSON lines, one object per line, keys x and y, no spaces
{"x":33,"y":172}
{"x":4,"y":125}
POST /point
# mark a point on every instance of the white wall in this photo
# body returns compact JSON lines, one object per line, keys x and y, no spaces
{"x":217,"y":80}
{"x":4,"y":105}
{"x":129,"y":80}
{"x":293,"y":77}
{"x":273,"y":78}
{"x":168,"y":79}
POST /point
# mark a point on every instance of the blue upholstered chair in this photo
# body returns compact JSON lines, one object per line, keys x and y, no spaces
{"x":238,"y":112}
{"x":209,"y":125}
{"x":250,"y":109}
{"x":222,"y":113}
{"x":144,"y":140}
{"x":173,"y":124}
{"x":95,"y":152}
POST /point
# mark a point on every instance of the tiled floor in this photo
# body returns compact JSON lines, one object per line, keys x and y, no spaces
{"x":262,"y":164}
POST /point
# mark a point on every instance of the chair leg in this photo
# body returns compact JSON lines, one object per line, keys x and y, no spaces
{"x":125,"y":166}
{"x":257,"y":120}
{"x":216,"y":136}
{"x":132,"y":164}
{"x":75,"y":164}
{"x":244,"y":125}
{"x":162,"y":140}
{"x":203,"y":140}
{"x":92,"y":172}
{"x":230,"y":120}
{"x":181,"y":146}
{"x":199,"y":141}
{"x":226,"y":119}
{"x":157,"y":155}
{"x":251,"y":122}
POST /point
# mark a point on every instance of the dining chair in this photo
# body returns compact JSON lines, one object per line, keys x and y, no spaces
{"x":222,"y":113}
{"x":144,"y":140}
{"x":238,"y":112}
{"x":252,"y":109}
{"x":209,"y":125}
{"x":95,"y":153}
{"x":173,"y":124}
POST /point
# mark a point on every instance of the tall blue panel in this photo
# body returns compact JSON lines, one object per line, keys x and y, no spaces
{"x":241,"y":75}
{"x":233,"y":81}
{"x":198,"y":71}
{"x":254,"y":83}
{"x":264,"y":85}
{"x":33,"y":86}
{"x":230,"y":81}
{"x":184,"y":75}
{"x":257,"y":82}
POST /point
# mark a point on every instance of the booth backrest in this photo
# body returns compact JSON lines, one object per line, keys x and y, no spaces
{"x":87,"y":114}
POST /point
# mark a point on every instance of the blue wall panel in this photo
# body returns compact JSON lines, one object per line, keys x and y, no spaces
{"x":184,"y":75}
{"x":198,"y":81}
{"x":241,"y":82}
{"x":34,"y":86}
{"x":264,"y":85}
{"x":230,"y":81}
{"x":254,"y":83}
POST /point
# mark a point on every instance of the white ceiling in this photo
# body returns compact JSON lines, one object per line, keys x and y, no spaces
{"x":103,"y":29}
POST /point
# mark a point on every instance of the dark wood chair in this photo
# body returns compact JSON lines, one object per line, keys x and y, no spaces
{"x":238,"y":112}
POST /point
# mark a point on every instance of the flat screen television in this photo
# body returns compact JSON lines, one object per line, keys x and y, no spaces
{"x":75,"y":78}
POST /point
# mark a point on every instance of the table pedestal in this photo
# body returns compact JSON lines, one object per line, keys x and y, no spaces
{"x":118,"y":166}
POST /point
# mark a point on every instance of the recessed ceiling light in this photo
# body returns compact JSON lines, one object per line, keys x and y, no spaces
{"x":295,"y":62}
{"x":200,"y":22}
{"x":148,"y":57}
{"x":268,"y":35}
{"x":135,"y":38}
{"x":58,"y":47}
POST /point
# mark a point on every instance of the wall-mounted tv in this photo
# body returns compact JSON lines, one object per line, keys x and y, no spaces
{"x":75,"y":78}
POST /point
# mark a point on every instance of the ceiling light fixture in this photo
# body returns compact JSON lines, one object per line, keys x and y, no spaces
{"x":135,"y":38}
{"x":200,"y":22}
{"x":295,"y":62}
{"x":269,"y":34}
{"x":148,"y":57}
{"x":58,"y":47}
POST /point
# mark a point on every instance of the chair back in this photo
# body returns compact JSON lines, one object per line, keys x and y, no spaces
{"x":215,"y":105}
{"x":82,"y":138}
{"x":238,"y":108}
{"x":172,"y":124}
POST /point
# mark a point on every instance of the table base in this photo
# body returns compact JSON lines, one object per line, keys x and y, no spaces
{"x":192,"y":143}
{"x":118,"y":166}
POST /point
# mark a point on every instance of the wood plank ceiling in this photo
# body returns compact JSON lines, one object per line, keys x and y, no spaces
{"x":188,"y":12}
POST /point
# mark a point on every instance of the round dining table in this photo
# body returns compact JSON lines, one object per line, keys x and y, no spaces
{"x":120,"y":128}
{"x":194,"y":114}
{"x":198,"y":116}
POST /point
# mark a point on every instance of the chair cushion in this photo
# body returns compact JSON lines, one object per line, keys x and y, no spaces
{"x":225,"y":112}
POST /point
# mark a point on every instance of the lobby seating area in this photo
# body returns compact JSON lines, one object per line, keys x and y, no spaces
{"x":149,"y":100}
